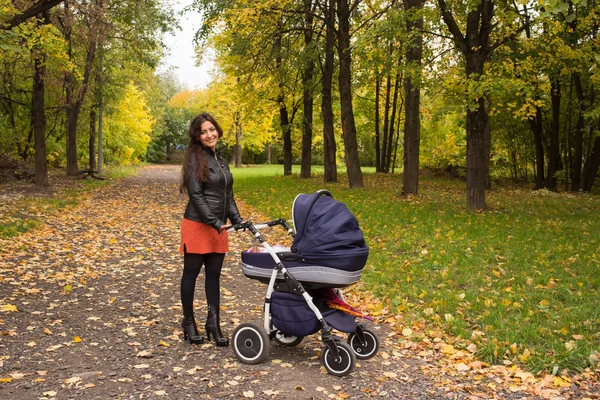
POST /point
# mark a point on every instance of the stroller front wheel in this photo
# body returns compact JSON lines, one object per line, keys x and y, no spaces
{"x":368,"y":348}
{"x":341,"y":366}
{"x":287,"y":340}
{"x":250,"y":343}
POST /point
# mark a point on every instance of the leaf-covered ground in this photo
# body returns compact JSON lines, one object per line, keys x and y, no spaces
{"x":89,"y":308}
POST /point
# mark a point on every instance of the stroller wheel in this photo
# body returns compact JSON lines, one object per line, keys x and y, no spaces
{"x":287,"y":340}
{"x":250,"y":343}
{"x":345,"y":362}
{"x":366,"y":350}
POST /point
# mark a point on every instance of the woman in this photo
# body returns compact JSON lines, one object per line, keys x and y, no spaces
{"x":208,"y":182}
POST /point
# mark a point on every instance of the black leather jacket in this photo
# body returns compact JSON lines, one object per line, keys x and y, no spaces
{"x":212,"y":202}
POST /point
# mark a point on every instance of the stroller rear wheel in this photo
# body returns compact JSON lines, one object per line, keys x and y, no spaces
{"x":341,"y":366}
{"x":287,"y":340}
{"x":250,"y":343}
{"x":366,"y":349}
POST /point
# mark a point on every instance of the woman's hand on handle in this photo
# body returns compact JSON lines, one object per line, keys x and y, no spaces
{"x":235,"y":227}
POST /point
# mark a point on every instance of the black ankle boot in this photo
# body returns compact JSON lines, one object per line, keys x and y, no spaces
{"x":213,"y":327}
{"x":190,"y":331}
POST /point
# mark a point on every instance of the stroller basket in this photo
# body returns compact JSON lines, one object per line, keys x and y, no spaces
{"x":292,"y":316}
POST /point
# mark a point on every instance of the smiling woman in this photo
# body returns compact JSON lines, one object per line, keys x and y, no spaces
{"x":208,"y":182}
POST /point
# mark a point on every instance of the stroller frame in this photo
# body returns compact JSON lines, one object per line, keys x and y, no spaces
{"x":251,"y":343}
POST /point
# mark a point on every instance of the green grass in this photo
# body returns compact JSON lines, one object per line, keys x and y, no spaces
{"x":19,"y":216}
{"x":520,"y":281}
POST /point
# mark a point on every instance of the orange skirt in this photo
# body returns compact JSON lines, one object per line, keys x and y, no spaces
{"x":199,"y":238}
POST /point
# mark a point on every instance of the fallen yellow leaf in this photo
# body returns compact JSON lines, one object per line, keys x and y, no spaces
{"x":562,"y":382}
{"x":448,"y":349}
{"x":462,"y":367}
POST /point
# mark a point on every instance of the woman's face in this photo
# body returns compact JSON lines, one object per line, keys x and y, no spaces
{"x":208,"y":135}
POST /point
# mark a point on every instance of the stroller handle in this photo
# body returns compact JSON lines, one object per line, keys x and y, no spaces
{"x":254,"y":228}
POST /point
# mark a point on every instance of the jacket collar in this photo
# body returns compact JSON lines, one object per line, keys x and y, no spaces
{"x":216,"y":153}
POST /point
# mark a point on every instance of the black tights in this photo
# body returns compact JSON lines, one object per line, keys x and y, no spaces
{"x":213,"y":262}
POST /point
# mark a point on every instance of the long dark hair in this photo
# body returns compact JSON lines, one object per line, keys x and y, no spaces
{"x":195,"y":162}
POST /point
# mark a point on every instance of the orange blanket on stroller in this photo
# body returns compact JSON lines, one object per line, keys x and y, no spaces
{"x":333,"y":301}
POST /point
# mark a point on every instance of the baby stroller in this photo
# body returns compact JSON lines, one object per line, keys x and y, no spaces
{"x":304,"y":281}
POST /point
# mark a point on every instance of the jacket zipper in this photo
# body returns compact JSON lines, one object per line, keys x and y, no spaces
{"x":225,"y":199}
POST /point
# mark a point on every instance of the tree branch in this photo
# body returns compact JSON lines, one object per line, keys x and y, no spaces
{"x":37,"y":8}
{"x":510,"y":37}
{"x":448,"y":18}
{"x":437,"y":34}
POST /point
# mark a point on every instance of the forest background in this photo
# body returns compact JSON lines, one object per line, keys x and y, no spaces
{"x":486,"y":91}
{"x":482,"y":90}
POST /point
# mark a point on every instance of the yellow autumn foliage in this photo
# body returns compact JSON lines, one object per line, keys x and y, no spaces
{"x":127,"y":129}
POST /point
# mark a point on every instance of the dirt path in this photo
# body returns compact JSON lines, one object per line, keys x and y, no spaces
{"x":90,"y":309}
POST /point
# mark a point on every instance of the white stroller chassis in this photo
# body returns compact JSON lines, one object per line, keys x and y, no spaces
{"x":251,"y":343}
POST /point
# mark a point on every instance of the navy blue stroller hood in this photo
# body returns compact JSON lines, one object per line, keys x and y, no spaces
{"x":327,"y":233}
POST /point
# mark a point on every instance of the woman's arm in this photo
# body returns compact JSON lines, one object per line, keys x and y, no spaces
{"x":232,"y":211}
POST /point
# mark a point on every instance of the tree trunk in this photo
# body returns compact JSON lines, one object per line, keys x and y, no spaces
{"x":307,"y":95}
{"x":412,"y":98}
{"x":578,"y":155}
{"x":74,"y":104}
{"x":388,"y":158}
{"x":329,"y":147}
{"x":238,"y":140}
{"x":396,"y":143}
{"x":355,"y":176}
{"x":477,"y":123}
{"x":269,"y":153}
{"x":412,"y":139}
{"x":72,"y":117}
{"x":284,"y":120}
{"x":329,"y":156}
{"x":386,"y":122}
{"x":92,"y":142}
{"x":286,"y":129}
{"x":537,"y":129}
{"x":592,"y":164}
{"x":100,"y":108}
{"x":71,"y":153}
{"x":475,"y":47}
{"x":377,"y":119}
{"x":554,"y":151}
{"x":76,"y":96}
{"x":487,"y":140}
{"x":38,"y":115}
